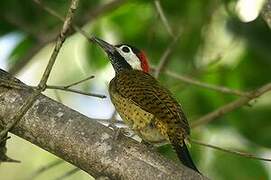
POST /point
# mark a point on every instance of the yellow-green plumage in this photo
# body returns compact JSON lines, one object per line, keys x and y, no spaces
{"x":144,"y":105}
{"x":147,"y":107}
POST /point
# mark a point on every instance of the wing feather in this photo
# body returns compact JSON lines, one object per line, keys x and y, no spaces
{"x":146,"y":92}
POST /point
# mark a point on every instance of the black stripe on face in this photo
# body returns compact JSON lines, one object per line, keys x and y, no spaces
{"x":118,"y":62}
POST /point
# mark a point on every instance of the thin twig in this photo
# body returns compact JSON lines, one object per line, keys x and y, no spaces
{"x":60,"y":40}
{"x":222,"y":89}
{"x":63,"y":88}
{"x":95,"y":13}
{"x":42,"y":85}
{"x":55,"y":14}
{"x":239,"y":153}
{"x":67,"y":174}
{"x":68,"y":89}
{"x":45,"y":168}
{"x":112,"y":5}
{"x":78,"y":82}
{"x":163,"y":17}
{"x":165,"y":57}
{"x":231,"y":106}
{"x":39,"y":122}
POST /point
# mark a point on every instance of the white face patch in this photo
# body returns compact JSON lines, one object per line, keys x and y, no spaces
{"x":129,"y":56}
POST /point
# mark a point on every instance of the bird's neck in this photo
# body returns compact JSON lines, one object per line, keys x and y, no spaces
{"x":119,"y":63}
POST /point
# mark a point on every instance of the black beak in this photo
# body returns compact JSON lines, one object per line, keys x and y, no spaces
{"x":108,"y":48}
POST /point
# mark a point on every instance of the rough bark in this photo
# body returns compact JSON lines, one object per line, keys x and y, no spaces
{"x":82,"y":141}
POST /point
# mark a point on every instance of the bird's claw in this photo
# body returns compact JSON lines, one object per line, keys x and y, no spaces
{"x":119,"y":131}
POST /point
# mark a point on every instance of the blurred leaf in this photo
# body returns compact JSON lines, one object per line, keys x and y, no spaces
{"x":254,"y":124}
{"x":20,"y":50}
{"x":227,"y":166}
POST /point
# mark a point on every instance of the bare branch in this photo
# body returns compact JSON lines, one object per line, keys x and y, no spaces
{"x":165,"y":57}
{"x":191,"y":81}
{"x":63,"y":88}
{"x":21,"y":112}
{"x":112,"y":5}
{"x":42,"y":85}
{"x":84,"y":142}
{"x":60,"y":40}
{"x":68,"y":89}
{"x":95,"y":13}
{"x":239,"y":153}
{"x":79,"y":82}
{"x":231,"y":106}
{"x":163,"y":17}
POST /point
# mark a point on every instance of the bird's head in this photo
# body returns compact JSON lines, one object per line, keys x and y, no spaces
{"x":124,"y":57}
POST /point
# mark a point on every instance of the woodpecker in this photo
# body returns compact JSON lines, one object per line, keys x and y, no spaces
{"x":147,"y":107}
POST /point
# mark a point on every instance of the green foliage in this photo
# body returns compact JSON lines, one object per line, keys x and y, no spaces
{"x":234,"y":167}
{"x":215,"y":47}
{"x":20,"y":50}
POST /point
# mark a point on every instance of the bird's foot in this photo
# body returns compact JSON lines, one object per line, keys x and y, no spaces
{"x":149,"y":145}
{"x":119,"y":131}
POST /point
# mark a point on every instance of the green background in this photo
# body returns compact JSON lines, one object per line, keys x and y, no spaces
{"x":215,"y":47}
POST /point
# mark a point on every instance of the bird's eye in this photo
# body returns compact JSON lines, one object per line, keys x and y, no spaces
{"x":125,"y":49}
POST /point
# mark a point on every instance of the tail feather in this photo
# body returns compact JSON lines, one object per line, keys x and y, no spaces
{"x":184,"y":155}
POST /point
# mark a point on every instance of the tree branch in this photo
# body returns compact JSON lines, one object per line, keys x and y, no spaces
{"x":95,"y":13}
{"x":238,"y":153}
{"x":231,"y":106}
{"x":50,"y":37}
{"x":165,"y":57}
{"x":59,"y":42}
{"x":63,"y":88}
{"x":192,"y":81}
{"x":161,"y":13}
{"x":69,"y":89}
{"x":79,"y":82}
{"x":84,"y":142}
{"x":42,"y":85}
